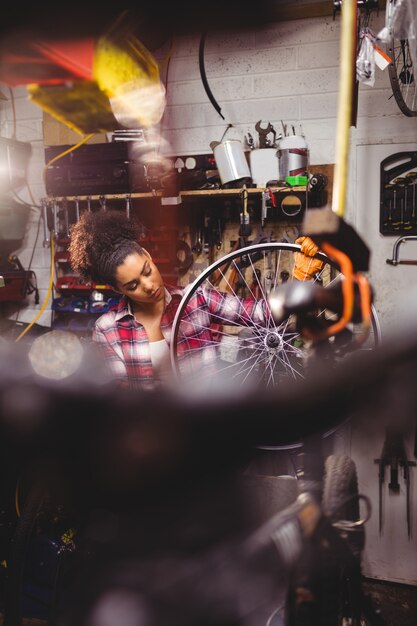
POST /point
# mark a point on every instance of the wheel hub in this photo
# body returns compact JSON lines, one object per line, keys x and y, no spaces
{"x":273,"y":341}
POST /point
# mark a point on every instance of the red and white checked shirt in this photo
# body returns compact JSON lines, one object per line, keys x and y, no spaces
{"x":125,"y":345}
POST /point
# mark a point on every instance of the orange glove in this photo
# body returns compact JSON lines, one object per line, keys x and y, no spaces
{"x":305,"y":266}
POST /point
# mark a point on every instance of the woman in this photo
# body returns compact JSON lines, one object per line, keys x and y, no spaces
{"x":135,"y":335}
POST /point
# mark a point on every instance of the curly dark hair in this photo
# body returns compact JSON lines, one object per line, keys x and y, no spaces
{"x":100,"y":242}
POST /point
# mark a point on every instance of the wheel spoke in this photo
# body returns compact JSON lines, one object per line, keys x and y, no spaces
{"x":249,"y":345}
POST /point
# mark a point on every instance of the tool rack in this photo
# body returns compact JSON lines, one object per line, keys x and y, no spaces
{"x":398,"y":194}
{"x":78,"y":302}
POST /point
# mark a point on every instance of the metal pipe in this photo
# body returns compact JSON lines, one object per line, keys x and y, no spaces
{"x":395,"y":251}
{"x":346,"y":80}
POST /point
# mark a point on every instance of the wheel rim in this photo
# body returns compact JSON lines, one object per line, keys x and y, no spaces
{"x":266,"y":354}
{"x":401,"y":73}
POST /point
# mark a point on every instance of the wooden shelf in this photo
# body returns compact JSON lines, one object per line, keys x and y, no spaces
{"x":183,"y":194}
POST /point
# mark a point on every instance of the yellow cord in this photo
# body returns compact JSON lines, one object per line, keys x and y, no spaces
{"x":48,"y":295}
{"x":168,"y":54}
{"x":346,"y":80}
{"x":59,"y":156}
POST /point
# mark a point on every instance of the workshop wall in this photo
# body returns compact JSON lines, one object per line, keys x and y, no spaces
{"x":283,"y":71}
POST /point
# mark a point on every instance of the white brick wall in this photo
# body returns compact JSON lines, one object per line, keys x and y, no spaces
{"x":286,"y":71}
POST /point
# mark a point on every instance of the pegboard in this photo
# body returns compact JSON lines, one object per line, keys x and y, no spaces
{"x":398,"y":194}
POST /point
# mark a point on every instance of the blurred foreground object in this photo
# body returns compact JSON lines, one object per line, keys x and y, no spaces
{"x":93,"y":84}
{"x":56,"y":355}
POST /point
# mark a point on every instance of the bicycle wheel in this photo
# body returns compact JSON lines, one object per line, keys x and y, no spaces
{"x":401,"y":75}
{"x":340,"y":489}
{"x":340,"y":502}
{"x":326,"y":586}
{"x":248,"y":350}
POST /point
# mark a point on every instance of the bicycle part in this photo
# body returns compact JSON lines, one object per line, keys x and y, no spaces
{"x":340,"y":504}
{"x":401,"y":75}
{"x":329,"y":592}
{"x":16,"y":560}
{"x":203,"y":75}
{"x":267,"y":353}
{"x":340,"y":500}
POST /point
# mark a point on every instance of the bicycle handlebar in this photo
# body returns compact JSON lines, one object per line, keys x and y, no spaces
{"x":86,"y":421}
{"x":304,"y":297}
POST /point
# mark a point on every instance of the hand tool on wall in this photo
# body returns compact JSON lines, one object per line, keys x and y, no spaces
{"x":412,"y":180}
{"x":389,"y":188}
{"x":394,"y":455}
{"x":128,"y":205}
{"x":395,"y":260}
{"x":212,"y":234}
{"x":46,"y":233}
{"x":263,"y":133}
{"x":64,"y":210}
{"x":77,"y":210}
{"x":398,"y":177}
{"x":196,"y":230}
{"x":245,"y":228}
{"x":399,"y":182}
{"x":103,"y":203}
{"x":264,"y":208}
{"x":55,"y":209}
{"x":250,"y":141}
{"x":407,"y":221}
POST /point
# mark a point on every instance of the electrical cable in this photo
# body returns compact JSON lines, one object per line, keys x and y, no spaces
{"x":167,"y":58}
{"x":59,"y":156}
{"x":48,"y":295}
{"x":31,"y":205}
{"x":204,"y":77}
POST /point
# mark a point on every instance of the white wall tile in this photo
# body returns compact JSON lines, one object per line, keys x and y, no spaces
{"x":299,"y":32}
{"x":316,"y":55}
{"x":319,"y":106}
{"x":296,"y":83}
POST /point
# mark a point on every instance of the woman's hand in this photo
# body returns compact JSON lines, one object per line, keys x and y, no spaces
{"x":306,"y":266}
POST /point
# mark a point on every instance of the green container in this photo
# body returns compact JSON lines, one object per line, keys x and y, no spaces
{"x":296,"y":181}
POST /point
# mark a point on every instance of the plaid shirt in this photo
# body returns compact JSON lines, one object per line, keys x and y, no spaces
{"x":125,"y":345}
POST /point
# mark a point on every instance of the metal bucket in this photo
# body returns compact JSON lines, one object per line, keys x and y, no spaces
{"x":292,"y":157}
{"x":231,"y":161}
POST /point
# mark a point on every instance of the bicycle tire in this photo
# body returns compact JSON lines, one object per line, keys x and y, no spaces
{"x":340,"y":488}
{"x":340,"y":501}
{"x":402,"y":76}
{"x":329,"y":595}
{"x":274,"y":353}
